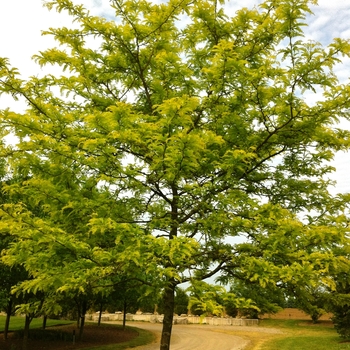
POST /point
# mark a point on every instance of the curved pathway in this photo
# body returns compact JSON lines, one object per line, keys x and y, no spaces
{"x":193,"y":337}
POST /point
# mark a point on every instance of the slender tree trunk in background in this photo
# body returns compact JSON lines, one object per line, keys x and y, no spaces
{"x":8,"y":316}
{"x":26,"y":332}
{"x":100,"y":315}
{"x":44,"y":321}
{"x":82,"y":322}
{"x":169,"y":306}
{"x":124,"y":314}
{"x":78,"y":318}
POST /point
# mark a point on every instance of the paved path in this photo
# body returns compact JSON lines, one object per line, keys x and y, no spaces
{"x":193,"y":337}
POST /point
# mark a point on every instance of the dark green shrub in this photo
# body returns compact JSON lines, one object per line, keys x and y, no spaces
{"x":341,"y":320}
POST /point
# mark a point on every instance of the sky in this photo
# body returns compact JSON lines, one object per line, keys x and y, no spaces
{"x":21,"y":23}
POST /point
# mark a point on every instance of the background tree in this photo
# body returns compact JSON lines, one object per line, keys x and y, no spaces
{"x":211,"y":300}
{"x":9,"y":276}
{"x":181,"y":301}
{"x":31,"y":307}
{"x":206,"y":299}
{"x":168,"y":141}
{"x":337,"y":295}
{"x":268,"y":300}
{"x":312,"y":300}
{"x":339,"y":305}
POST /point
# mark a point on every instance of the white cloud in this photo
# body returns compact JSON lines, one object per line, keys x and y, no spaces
{"x":21,"y":25}
{"x":329,"y":20}
{"x":335,"y":4}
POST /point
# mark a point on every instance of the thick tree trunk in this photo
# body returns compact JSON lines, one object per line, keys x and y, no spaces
{"x":169,"y":306}
{"x":8,"y":316}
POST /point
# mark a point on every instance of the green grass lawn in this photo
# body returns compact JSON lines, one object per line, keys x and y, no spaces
{"x":296,"y":335}
{"x":17,"y":322}
{"x":300,"y":335}
{"x":292,"y":335}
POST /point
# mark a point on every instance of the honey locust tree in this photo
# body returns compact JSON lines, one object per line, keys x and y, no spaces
{"x":173,"y":129}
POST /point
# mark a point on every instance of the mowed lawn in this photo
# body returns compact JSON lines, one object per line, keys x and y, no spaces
{"x":303,"y":335}
{"x":292,"y":335}
{"x":17,"y":322}
{"x":144,"y":337}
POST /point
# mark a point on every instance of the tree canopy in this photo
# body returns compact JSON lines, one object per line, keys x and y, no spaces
{"x":174,"y":129}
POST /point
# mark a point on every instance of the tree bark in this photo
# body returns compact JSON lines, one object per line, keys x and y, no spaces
{"x":100,"y":315}
{"x":26,"y":332}
{"x":169,"y":292}
{"x":78,"y":319}
{"x":8,"y":316}
{"x":82,"y":321}
{"x":169,"y":306}
{"x":124,"y":314}
{"x":44,"y":321}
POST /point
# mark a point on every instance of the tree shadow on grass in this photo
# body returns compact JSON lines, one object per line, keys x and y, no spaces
{"x":61,"y":338}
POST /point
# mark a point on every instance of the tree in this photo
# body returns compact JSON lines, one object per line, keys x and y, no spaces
{"x":181,"y":301}
{"x":212,"y":300}
{"x":267,"y":300}
{"x":337,"y":296}
{"x":161,"y":142}
{"x":312,"y":300}
{"x":9,"y":276}
{"x":206,"y":299}
{"x":340,"y":307}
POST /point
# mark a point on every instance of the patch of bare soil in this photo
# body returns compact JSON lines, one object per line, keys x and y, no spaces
{"x":94,"y":335}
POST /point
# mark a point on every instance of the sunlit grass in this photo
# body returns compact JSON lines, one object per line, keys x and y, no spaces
{"x":301,"y":342}
{"x":290,"y":335}
{"x":303,"y":335}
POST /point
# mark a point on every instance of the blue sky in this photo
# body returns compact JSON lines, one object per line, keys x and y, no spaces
{"x":21,"y":22}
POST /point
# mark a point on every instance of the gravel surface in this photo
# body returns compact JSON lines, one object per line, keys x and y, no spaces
{"x":199,"y":337}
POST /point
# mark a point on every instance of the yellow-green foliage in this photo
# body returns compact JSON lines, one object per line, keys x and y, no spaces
{"x":174,"y":129}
